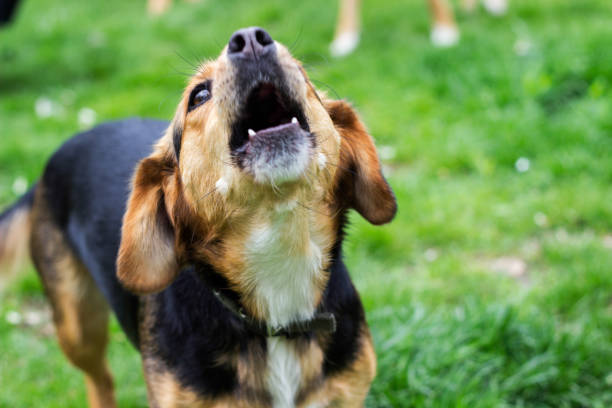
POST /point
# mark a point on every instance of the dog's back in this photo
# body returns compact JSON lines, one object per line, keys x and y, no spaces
{"x":82,"y":194}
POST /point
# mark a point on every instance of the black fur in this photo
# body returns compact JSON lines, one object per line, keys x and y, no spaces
{"x":177,"y":140}
{"x":87,"y":185}
{"x":193,"y":329}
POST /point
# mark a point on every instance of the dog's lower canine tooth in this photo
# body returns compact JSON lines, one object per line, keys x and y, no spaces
{"x":294,"y":120}
{"x":251,"y":133}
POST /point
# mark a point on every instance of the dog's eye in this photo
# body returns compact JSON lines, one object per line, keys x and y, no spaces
{"x":199,"y":95}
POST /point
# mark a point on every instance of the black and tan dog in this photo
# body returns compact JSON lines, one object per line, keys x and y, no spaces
{"x":225,"y":269}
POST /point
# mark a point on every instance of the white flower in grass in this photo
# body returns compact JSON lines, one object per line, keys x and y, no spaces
{"x":13,"y":317}
{"x":86,"y":117}
{"x":20,"y":186}
{"x":561,"y":235}
{"x":431,"y":254}
{"x":386,"y":152}
{"x":510,"y":266}
{"x":96,"y":39}
{"x":522,"y":164}
{"x":540,"y":219}
{"x":459,"y":313}
{"x":43,"y":107}
{"x":522,"y":47}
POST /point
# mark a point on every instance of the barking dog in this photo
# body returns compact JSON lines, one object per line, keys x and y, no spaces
{"x":225,"y":267}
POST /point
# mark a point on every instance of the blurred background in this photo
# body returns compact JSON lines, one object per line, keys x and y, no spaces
{"x":492,"y":287}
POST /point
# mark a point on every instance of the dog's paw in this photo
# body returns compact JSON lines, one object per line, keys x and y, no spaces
{"x":444,"y":35}
{"x":344,"y":44}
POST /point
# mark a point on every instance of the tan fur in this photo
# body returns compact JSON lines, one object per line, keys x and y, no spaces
{"x":364,"y":185}
{"x":80,"y":312}
{"x":14,"y":239}
{"x":171,"y":394}
{"x":311,"y":363}
{"x":349,"y":388}
{"x":147,"y":257}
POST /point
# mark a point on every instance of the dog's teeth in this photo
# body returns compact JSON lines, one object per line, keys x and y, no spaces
{"x":294,"y":120}
{"x":252,"y":133}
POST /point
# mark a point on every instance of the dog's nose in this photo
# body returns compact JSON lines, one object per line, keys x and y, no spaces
{"x":250,"y":43}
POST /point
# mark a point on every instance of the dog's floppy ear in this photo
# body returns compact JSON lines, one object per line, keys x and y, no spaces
{"x":361,"y":173}
{"x":147,"y":260}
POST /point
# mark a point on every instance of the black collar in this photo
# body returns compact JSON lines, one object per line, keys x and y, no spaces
{"x":320,"y":322}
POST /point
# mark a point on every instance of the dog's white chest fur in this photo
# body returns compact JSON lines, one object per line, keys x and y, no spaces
{"x":283,"y":264}
{"x":284,"y":372}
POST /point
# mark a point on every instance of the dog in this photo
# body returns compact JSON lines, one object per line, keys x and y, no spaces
{"x":444,"y":31}
{"x":216,"y":239}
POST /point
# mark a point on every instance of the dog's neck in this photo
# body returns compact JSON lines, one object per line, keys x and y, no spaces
{"x":285,"y":255}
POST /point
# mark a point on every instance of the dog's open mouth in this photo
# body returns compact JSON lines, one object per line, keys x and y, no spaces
{"x":267,"y":112}
{"x":271,"y":139}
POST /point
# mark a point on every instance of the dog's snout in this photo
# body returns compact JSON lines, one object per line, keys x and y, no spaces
{"x":250,"y":43}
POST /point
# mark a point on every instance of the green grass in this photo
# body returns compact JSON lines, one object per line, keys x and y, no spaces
{"x":451,"y":329}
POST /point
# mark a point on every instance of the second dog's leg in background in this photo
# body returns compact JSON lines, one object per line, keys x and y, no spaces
{"x":157,"y":7}
{"x":347,"y":29}
{"x":444,"y":32}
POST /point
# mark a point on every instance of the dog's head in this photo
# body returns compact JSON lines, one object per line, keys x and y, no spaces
{"x":251,"y":137}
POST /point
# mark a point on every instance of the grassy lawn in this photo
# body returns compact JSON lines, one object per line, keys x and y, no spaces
{"x":493,"y":286}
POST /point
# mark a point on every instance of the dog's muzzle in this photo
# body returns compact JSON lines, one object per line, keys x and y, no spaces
{"x":270,"y":136}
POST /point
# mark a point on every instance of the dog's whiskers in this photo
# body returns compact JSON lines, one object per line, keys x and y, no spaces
{"x":296,"y":42}
{"x":191,"y":64}
{"x":326,"y":85}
